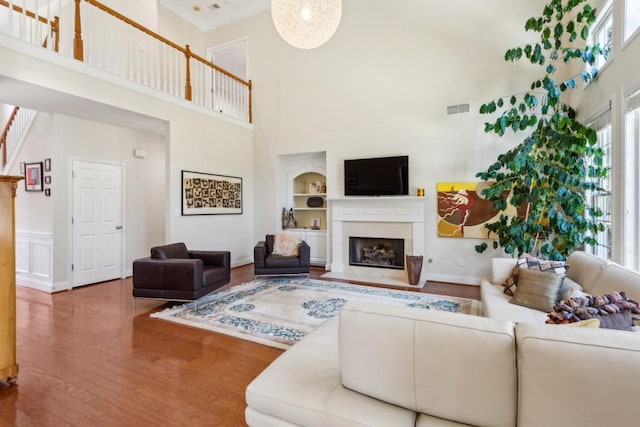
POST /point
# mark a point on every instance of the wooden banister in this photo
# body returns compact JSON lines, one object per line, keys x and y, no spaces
{"x":55,"y":27}
{"x":187,"y":85}
{"x":5,"y":132}
{"x":250,"y":102}
{"x":164,"y":40}
{"x":78,"y":45}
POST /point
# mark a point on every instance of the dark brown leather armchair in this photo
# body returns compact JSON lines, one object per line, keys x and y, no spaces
{"x":175,"y":273}
{"x":266,"y":264}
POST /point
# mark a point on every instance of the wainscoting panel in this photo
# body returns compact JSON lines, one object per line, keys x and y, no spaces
{"x":34,"y":260}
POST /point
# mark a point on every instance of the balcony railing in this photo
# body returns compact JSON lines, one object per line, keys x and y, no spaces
{"x":121,"y":46}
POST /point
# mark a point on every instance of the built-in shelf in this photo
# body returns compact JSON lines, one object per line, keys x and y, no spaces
{"x":303,"y":185}
{"x":307,"y":185}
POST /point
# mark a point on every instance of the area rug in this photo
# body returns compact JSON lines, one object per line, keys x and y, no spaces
{"x":279,"y":312}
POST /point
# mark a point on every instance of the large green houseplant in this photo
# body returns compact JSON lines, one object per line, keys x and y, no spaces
{"x":549,"y":175}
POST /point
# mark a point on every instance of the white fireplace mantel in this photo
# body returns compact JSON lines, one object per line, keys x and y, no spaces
{"x":391,"y":209}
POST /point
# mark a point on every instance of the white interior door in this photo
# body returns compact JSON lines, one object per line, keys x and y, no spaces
{"x":97,"y":222}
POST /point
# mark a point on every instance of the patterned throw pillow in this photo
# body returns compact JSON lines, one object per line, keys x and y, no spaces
{"x":529,"y":262}
{"x":613,"y":310}
{"x":285,"y":244}
{"x":537,"y":289}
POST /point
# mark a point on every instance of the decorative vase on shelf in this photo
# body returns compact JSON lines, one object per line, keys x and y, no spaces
{"x":414,"y":268}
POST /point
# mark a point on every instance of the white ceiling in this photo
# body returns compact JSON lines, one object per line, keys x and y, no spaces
{"x":208,"y":17}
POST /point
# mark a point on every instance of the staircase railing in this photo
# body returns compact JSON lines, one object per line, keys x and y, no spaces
{"x":13,"y":132}
{"x":157,"y":62}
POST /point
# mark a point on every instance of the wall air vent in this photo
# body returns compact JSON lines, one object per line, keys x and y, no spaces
{"x":457,"y":109}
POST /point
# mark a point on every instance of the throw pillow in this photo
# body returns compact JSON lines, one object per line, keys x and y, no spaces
{"x":285,"y":244}
{"x":511,"y":281}
{"x":613,"y":310}
{"x":537,"y":289}
{"x":530,"y":262}
{"x":635,"y":319}
{"x":589,"y":323}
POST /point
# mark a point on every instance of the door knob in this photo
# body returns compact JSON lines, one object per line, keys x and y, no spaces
{"x":118,"y":227}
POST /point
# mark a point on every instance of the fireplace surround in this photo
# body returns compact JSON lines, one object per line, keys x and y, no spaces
{"x":381,"y":217}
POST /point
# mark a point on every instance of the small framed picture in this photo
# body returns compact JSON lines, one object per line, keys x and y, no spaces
{"x":33,"y":176}
{"x":315,"y":223}
{"x":47,"y":192}
{"x":22,"y":168}
{"x":47,"y":179}
{"x":47,"y":165}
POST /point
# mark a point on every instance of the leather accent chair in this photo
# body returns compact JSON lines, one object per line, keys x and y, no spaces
{"x":177,"y":274}
{"x":267,"y":264}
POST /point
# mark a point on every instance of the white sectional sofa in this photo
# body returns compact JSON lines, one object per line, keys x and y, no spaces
{"x":593,"y":275}
{"x":396,"y":366}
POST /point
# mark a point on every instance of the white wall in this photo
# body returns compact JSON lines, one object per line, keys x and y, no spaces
{"x":380,"y":87}
{"x":180,"y":32}
{"x":197,"y":140}
{"x":63,"y":139}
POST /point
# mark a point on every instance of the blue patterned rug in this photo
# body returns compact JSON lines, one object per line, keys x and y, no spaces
{"x":278,"y":312}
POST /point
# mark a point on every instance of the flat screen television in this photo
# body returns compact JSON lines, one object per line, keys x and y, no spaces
{"x":380,"y":176}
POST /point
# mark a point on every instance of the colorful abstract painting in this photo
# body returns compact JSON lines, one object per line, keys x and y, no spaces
{"x":462,"y":211}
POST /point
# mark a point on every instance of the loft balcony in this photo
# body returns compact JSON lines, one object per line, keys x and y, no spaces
{"x":101,"y":37}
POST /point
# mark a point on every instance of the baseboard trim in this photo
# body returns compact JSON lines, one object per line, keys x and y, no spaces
{"x":449,"y":278}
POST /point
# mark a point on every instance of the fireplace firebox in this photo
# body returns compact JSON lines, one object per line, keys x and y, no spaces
{"x":376,"y":252}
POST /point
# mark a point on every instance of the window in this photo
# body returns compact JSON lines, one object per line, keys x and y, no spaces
{"x":602,"y":33}
{"x":631,"y":185}
{"x":602,"y":199}
{"x":631,"y":17}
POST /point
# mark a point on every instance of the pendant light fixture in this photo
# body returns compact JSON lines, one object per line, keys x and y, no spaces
{"x":306,"y":24}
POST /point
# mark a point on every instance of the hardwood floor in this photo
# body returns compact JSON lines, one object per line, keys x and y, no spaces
{"x":87,"y":358}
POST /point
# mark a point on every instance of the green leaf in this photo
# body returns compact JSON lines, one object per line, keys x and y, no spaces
{"x":584,"y":33}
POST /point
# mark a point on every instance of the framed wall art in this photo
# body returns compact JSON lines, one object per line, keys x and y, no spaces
{"x":209,"y":194}
{"x":463,"y":211}
{"x":33,"y":176}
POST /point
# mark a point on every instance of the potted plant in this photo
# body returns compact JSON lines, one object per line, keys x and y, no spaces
{"x":549,"y":175}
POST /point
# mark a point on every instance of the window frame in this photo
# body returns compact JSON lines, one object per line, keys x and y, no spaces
{"x":604,"y":199}
{"x":631,"y":185}
{"x":627,"y":36}
{"x":595,"y":31}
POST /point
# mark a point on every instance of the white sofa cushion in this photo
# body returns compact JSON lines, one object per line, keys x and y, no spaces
{"x":496,"y":305}
{"x":447,"y":365}
{"x":577,"y":376}
{"x":584,"y":268}
{"x":303,"y":387}
{"x":500,"y":269}
{"x":616,"y":278}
